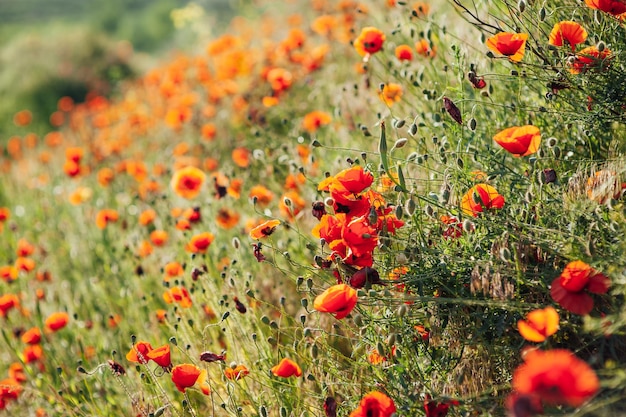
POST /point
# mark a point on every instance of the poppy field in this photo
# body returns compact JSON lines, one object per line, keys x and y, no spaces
{"x":336,"y":209}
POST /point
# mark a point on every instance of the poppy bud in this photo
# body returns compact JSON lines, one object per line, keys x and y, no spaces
{"x":521,"y":6}
{"x":548,"y":176}
{"x":239,"y":306}
{"x":452,"y":110}
{"x":318,"y":210}
{"x":399,"y":123}
{"x":364,"y":277}
{"x":400,"y":143}
{"x":413,"y":129}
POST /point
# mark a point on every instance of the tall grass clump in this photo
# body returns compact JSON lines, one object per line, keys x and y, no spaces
{"x":332,"y":209}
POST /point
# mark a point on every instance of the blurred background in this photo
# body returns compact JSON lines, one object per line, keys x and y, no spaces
{"x":55,"y":48}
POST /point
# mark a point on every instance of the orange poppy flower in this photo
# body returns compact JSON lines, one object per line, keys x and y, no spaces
{"x":391,"y":93}
{"x":8,"y":302}
{"x":173,"y":269}
{"x":613,"y":7}
{"x":314,"y":120}
{"x":32,"y":353}
{"x":105,"y":216}
{"x":161,"y":356}
{"x":145,"y":249}
{"x":10,"y":389}
{"x":297,"y":204}
{"x":286,"y":368}
{"x":16,"y":371}
{"x":24,"y":248}
{"x":187,"y":375}
{"x":159,"y":237}
{"x":241,"y":157}
{"x":508,"y":44}
{"x":187,"y":182}
{"x":568,"y":289}
{"x":105,"y":176}
{"x":539,"y":324}
{"x":280,"y":79}
{"x":375,"y":404}
{"x":5,"y":213}
{"x":590,"y":58}
{"x":9,"y":273}
{"x":139,"y":352}
{"x":568,"y":31}
{"x":208,"y":131}
{"x":339,"y":299}
{"x":404,"y":53}
{"x":425,"y":48}
{"x":236,"y":373}
{"x":22,"y":118}
{"x":556,"y":376}
{"x":57,"y":321}
{"x":31,"y":336}
{"x":200,"y":242}
{"x":178,"y":295}
{"x":71,"y":168}
{"x":479,"y":198}
{"x":262,"y":195}
{"x":147,"y":217}
{"x":369,"y":41}
{"x":24,"y":264}
{"x":519,"y":140}
{"x":360,"y":236}
{"x":227,"y":218}
{"x":264,"y":229}
{"x":161,"y":315}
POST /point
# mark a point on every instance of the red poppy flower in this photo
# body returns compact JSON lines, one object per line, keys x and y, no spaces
{"x":519,"y":140}
{"x":161,"y":356}
{"x":508,"y":44}
{"x":139,"y":352}
{"x":613,"y":7}
{"x":286,"y":368}
{"x":369,"y":41}
{"x":187,"y":375}
{"x":339,"y":299}
{"x":590,"y":58}
{"x":404,"y":53}
{"x":568,"y":289}
{"x":480,"y":197}
{"x":7,"y":302}
{"x":57,"y":321}
{"x":375,"y":404}
{"x":178,"y":295}
{"x":188,"y":181}
{"x":556,"y":377}
{"x":571,"y":32}
{"x":539,"y":324}
{"x":437,"y":409}
{"x":360,"y":236}
{"x":314,"y":120}
{"x":32,"y":336}
{"x":200,"y":242}
{"x":105,"y":216}
{"x":391,"y":93}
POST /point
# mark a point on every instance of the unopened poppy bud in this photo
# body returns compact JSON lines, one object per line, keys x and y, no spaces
{"x":302,"y":319}
{"x":429,"y":210}
{"x":307,"y":332}
{"x":380,"y":348}
{"x":287,"y":201}
{"x":413,"y":129}
{"x":402,"y":310}
{"x":472,"y":124}
{"x":159,"y":412}
{"x":391,"y":340}
{"x":399,"y":123}
{"x":505,"y":254}
{"x":314,"y":351}
{"x":283,"y":412}
{"x":372,"y":217}
{"x":460,"y":163}
{"x":225,"y":315}
{"x":263,"y":411}
{"x":529,"y":197}
{"x":316,"y":143}
{"x":399,"y":211}
{"x":468,"y":225}
{"x":236,"y":243}
{"x":304,"y":302}
{"x":372,"y":293}
{"x":548,"y":176}
{"x":400,"y":143}
{"x":521,"y":6}
{"x":329,"y":202}
{"x":265,"y":320}
{"x":271,"y":340}
{"x":601,"y":46}
{"x":557,"y":152}
{"x":358,"y":320}
{"x":542,"y":14}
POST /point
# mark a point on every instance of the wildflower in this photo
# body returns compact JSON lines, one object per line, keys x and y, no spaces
{"x":330,"y":407}
{"x":375,"y":404}
{"x":404,"y":53}
{"x":161,"y":356}
{"x":105,"y":216}
{"x":139,"y":352}
{"x":480,"y":197}
{"x":508,"y":44}
{"x":16,"y":371}
{"x":31,"y":336}
{"x":286,"y":368}
{"x":568,"y":289}
{"x":241,"y":157}
{"x":437,"y":409}
{"x":9,"y":273}
{"x":339,"y":299}
{"x":262,"y":195}
{"x":105,"y":176}
{"x":159,"y":237}
{"x":519,"y":140}
{"x":22,"y":118}
{"x":264,"y":229}
{"x":179,"y":295}
{"x":8,"y":302}
{"x":369,"y":41}
{"x":200,"y":242}
{"x":187,"y":375}
{"x":539,"y":324}
{"x":187,"y":182}
{"x":212,"y":357}
{"x":236,"y":373}
{"x":24,"y":248}
{"x":391,"y":93}
{"x":612,"y":7}
{"x":568,"y":31}
{"x":314,"y":120}
{"x":425,"y":48}
{"x":57,"y":321}
{"x":32,"y":353}
{"x":590,"y":58}
{"x":227,"y":218}
{"x":280,"y":79}
{"x":555,"y":376}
